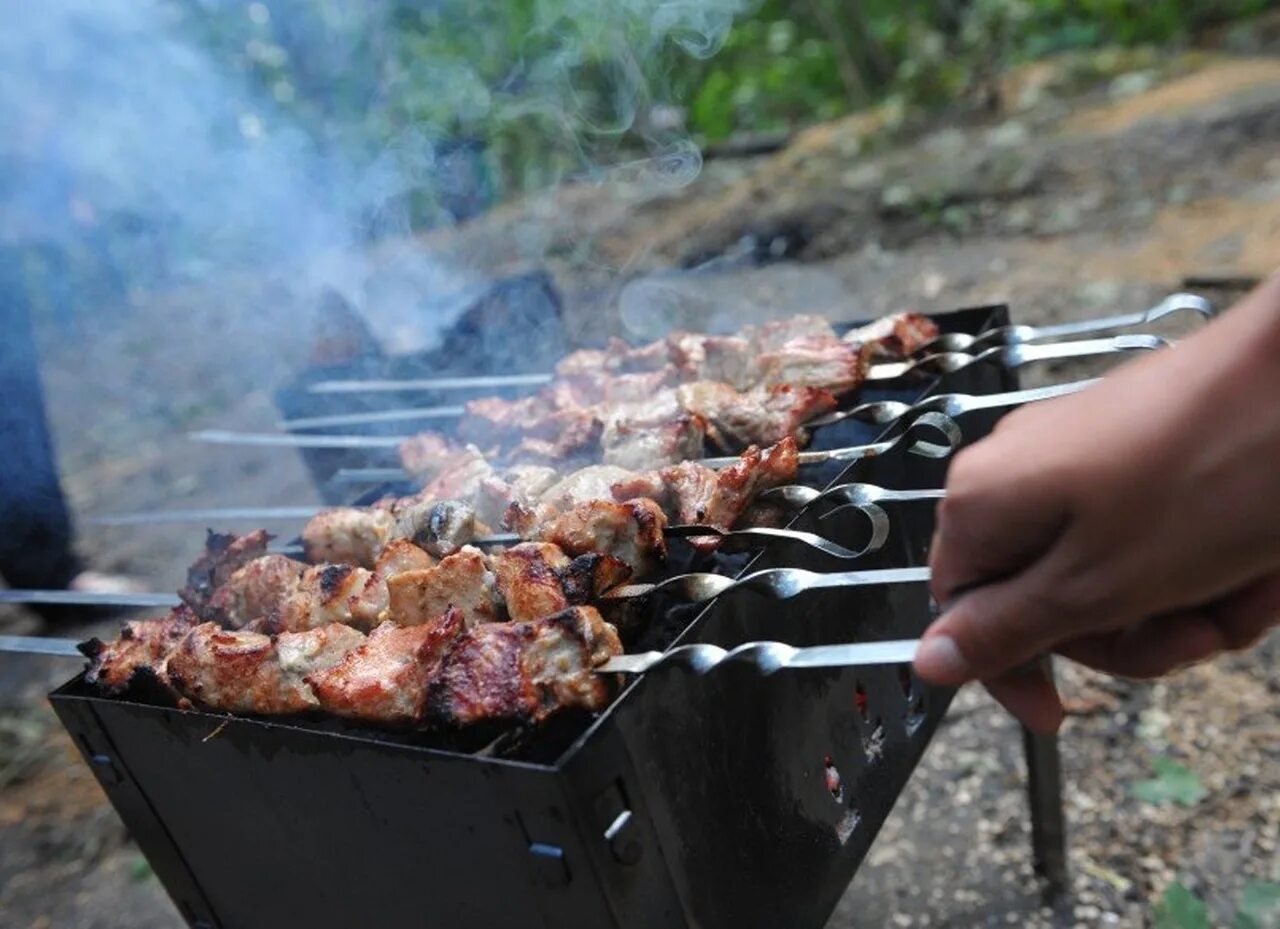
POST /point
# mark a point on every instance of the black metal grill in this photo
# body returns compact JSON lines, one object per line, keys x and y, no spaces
{"x":727,"y":800}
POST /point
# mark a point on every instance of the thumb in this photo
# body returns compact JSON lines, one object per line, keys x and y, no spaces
{"x":994,"y":628}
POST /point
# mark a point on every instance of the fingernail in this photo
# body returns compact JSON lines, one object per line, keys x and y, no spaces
{"x":939,"y":659}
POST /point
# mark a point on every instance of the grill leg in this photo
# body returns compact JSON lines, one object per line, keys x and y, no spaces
{"x":1048,"y":821}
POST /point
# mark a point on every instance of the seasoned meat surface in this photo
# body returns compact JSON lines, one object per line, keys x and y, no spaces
{"x":895,"y":337}
{"x":223,"y":555}
{"x":538,"y":578}
{"x":332,"y":593}
{"x":347,"y":535}
{"x":441,"y":527}
{"x":524,"y":671}
{"x":401,"y":555}
{"x":771,"y":336}
{"x":426,"y":454}
{"x":385,"y":680}
{"x":637,"y":445}
{"x":761,"y":416}
{"x":255,"y":591}
{"x":630,"y":531}
{"x":238,"y":671}
{"x":463,"y":581}
{"x":139,"y":651}
{"x":828,"y":363}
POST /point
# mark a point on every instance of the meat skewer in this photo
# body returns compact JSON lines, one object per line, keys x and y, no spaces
{"x":664,"y":426}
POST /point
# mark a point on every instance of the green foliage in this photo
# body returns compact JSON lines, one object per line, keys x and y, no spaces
{"x":1179,"y":908}
{"x":1259,"y":906}
{"x":550,"y":88}
{"x":1173,"y":783}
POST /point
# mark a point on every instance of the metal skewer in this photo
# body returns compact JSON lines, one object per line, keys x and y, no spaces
{"x":85,"y":598}
{"x":1013,"y":335}
{"x":775,"y":583}
{"x":1009,"y":356}
{"x":798,"y":495}
{"x":948,"y":342}
{"x":767,"y":657}
{"x":884,"y":412}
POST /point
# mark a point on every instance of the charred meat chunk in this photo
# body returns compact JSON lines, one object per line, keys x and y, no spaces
{"x":524,"y":671}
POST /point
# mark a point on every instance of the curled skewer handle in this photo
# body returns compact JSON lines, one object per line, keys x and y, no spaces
{"x":768,"y":536}
{"x":767,"y":657}
{"x":883,"y":412}
{"x":775,"y":583}
{"x":1017,"y":355}
{"x":915,"y":440}
{"x":1175,"y":303}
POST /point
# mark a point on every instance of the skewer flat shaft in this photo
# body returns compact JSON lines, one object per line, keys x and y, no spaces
{"x":36,"y":645}
{"x":86,"y":598}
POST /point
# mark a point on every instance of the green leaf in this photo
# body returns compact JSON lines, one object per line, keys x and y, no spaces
{"x":1179,"y":908}
{"x":1173,"y":783}
{"x":1259,"y":906}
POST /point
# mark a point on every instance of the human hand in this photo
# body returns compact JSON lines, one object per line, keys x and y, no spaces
{"x":1133,"y":527}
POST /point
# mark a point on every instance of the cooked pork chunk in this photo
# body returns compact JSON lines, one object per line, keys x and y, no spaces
{"x":348,"y":535}
{"x":385,"y":679}
{"x":401,"y":555}
{"x":463,"y":580}
{"x":223,"y":555}
{"x":426,"y":454}
{"x":331,"y":593}
{"x":630,"y":531}
{"x":538,"y":578}
{"x":139,"y":652}
{"x":524,"y":671}
{"x":895,"y":337}
{"x":761,"y":416}
{"x":827,"y":363}
{"x":237,"y":671}
{"x":771,"y":336}
{"x":255,"y":591}
{"x":717,"y":498}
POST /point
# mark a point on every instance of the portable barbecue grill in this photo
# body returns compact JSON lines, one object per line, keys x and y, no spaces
{"x":730,"y":799}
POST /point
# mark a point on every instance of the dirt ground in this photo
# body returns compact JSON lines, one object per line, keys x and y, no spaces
{"x":1067,"y":203}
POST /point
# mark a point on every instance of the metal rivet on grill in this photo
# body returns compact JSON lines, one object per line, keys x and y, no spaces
{"x":624,"y":845}
{"x":551,"y":867}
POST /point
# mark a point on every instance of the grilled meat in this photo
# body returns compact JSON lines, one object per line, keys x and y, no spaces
{"x":223,"y":555}
{"x":348,"y":535}
{"x":538,"y":578}
{"x":463,"y":581}
{"x":827,"y":363}
{"x":401,"y":555}
{"x":522,"y":484}
{"x":761,"y":416}
{"x":630,"y":531}
{"x":238,"y":671}
{"x":717,"y":498}
{"x":427,"y":454}
{"x":524,"y":671}
{"x":330,"y":593}
{"x":385,"y":679}
{"x":255,"y":591}
{"x":895,"y":337}
{"x":139,"y":652}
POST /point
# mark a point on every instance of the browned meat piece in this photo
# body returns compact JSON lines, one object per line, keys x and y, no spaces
{"x":771,"y":336}
{"x":528,"y":577}
{"x":499,"y":421}
{"x":725,"y":358}
{"x":718,"y":497}
{"x":830,"y":364}
{"x":462,"y":580}
{"x":617,"y":358}
{"x":237,"y":671}
{"x":586,"y":390}
{"x":649,"y":485}
{"x":761,"y":416}
{"x":630,"y":531}
{"x":591,"y":483}
{"x":385,"y":680}
{"x":559,"y":435}
{"x":330,"y":593}
{"x":255,"y":591}
{"x":639,"y":445}
{"x":460,"y":479}
{"x":401,"y":555}
{"x":139,"y":653}
{"x":439,"y":526}
{"x":425,"y":454}
{"x":348,"y":535}
{"x":521,"y":484}
{"x":895,"y":337}
{"x":223,"y":555}
{"x":524,"y":671}
{"x":538,"y":578}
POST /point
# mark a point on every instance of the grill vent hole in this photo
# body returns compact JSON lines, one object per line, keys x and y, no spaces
{"x":860,"y":699}
{"x":835,"y":784}
{"x":873,"y":743}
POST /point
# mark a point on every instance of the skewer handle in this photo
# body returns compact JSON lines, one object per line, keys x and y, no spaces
{"x":767,"y":657}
